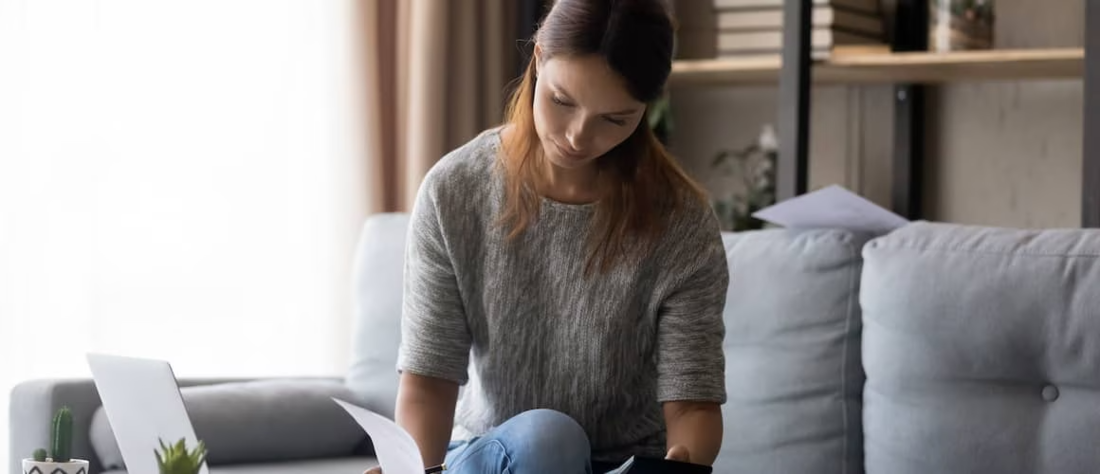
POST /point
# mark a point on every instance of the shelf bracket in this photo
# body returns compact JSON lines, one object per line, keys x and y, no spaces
{"x":1090,"y":183}
{"x":794,"y":101}
{"x":528,"y":13}
{"x":910,"y":34}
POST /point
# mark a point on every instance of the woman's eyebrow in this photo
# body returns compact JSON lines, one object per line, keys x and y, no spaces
{"x":629,"y":111}
{"x":561,"y":90}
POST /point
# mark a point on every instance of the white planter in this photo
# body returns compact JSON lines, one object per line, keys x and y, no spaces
{"x":75,"y":466}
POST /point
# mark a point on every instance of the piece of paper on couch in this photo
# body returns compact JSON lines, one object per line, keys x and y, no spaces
{"x":394,"y":447}
{"x":832,"y":207}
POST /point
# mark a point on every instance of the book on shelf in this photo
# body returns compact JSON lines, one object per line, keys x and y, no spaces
{"x":954,"y":40}
{"x":755,"y":41}
{"x":817,"y":54}
{"x":867,"y":6}
{"x":824,"y":16}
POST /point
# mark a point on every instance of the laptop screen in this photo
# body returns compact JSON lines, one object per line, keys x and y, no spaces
{"x":143,"y":404}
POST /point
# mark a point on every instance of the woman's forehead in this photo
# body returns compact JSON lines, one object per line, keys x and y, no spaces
{"x":590,"y":79}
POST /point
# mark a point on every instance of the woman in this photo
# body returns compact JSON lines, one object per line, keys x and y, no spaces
{"x":566,"y":272}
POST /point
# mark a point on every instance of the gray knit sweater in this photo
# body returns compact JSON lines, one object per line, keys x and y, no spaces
{"x":521,"y":327}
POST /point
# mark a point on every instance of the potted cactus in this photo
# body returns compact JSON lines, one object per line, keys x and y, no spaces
{"x":175,"y":459}
{"x":58,"y":460}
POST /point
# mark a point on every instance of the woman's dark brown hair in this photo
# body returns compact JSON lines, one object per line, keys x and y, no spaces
{"x":635,"y":37}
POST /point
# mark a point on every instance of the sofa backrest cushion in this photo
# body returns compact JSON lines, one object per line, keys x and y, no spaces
{"x":793,"y":373}
{"x":268,"y":420}
{"x":982,"y":349}
{"x":376,"y":328}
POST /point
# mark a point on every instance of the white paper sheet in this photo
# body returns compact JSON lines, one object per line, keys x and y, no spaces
{"x":623,"y":468}
{"x":395,"y":449}
{"x":832,"y":207}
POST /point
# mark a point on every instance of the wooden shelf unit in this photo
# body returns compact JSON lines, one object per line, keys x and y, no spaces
{"x":907,"y":65}
{"x":892,"y":68}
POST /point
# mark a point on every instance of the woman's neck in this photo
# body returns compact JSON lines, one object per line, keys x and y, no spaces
{"x":570,"y":186}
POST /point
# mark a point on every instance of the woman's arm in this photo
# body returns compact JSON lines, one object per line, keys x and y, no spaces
{"x":433,"y":357}
{"x":691,"y":382}
{"x":426,"y":409}
{"x":694,"y":431}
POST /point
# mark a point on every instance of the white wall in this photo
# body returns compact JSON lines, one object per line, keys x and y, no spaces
{"x":178,"y":180}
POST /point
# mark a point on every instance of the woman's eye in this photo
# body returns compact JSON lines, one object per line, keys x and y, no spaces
{"x":615,"y":121}
{"x":559,"y":101}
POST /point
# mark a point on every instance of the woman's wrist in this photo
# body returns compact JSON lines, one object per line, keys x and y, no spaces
{"x":694,"y":431}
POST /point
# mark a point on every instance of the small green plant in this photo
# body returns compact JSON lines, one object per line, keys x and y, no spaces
{"x":61,"y":438}
{"x":175,"y":459}
{"x":755,"y":167}
{"x":659,"y":117}
{"x":61,"y":444}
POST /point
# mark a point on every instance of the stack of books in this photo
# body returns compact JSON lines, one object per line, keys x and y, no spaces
{"x":747,"y":28}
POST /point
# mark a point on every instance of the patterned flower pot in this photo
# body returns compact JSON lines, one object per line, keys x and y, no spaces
{"x":75,"y":466}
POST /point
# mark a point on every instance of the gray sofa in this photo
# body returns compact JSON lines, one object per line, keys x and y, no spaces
{"x":936,"y":348}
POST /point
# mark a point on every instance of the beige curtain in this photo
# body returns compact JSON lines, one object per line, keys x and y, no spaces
{"x":435,"y":75}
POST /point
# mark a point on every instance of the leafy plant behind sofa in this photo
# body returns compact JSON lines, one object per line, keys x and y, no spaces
{"x":754,"y":167}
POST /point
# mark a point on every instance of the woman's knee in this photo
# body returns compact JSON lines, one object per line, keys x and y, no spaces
{"x":543,"y":432}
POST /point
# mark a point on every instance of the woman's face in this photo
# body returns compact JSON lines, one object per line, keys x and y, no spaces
{"x":582,"y":109}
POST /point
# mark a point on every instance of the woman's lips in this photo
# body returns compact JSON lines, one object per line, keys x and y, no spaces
{"x":564,"y":152}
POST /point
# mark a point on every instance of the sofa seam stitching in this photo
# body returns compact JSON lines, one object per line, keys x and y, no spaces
{"x":982,"y":252}
{"x":844,"y":361}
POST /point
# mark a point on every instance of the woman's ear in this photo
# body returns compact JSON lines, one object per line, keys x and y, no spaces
{"x":538,"y":58}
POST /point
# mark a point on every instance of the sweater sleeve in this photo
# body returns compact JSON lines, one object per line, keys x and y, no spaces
{"x":435,"y":336}
{"x":690,"y":328}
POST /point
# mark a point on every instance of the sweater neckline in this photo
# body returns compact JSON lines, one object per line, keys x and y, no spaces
{"x":546,"y":202}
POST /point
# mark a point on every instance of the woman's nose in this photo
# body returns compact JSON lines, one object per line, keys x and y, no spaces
{"x":576,"y":136}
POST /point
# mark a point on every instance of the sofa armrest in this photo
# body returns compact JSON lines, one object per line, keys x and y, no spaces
{"x":34,"y":402}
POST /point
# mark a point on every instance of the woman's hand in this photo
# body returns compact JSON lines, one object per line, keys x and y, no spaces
{"x":675,"y":453}
{"x":694,"y":431}
{"x":373,"y":470}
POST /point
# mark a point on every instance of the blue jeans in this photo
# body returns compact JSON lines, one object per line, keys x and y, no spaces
{"x":533,"y":442}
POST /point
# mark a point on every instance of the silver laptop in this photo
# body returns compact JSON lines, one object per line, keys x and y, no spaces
{"x":143,"y":403}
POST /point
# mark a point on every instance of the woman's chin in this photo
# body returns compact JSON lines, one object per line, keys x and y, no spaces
{"x":568,"y":162}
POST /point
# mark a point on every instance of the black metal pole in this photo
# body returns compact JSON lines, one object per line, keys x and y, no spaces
{"x":910,"y":34}
{"x":794,"y":101}
{"x":1090,"y":183}
{"x":528,"y":14}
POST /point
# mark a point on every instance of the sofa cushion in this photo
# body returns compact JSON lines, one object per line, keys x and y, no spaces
{"x":258,"y":421}
{"x":981,"y":349}
{"x":376,"y":333}
{"x":792,"y":343}
{"x":351,"y":465}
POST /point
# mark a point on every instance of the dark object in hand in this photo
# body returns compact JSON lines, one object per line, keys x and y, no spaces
{"x":667,"y":466}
